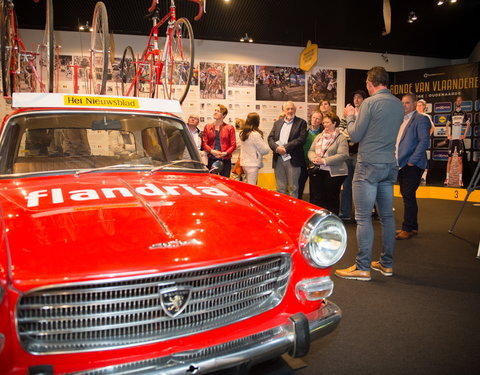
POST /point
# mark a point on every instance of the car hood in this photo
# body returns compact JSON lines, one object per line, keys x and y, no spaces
{"x":97,"y":226}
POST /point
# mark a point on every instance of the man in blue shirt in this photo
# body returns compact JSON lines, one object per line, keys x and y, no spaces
{"x":375,"y":129}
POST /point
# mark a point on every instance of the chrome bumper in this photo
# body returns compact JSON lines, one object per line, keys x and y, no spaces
{"x":293,"y":337}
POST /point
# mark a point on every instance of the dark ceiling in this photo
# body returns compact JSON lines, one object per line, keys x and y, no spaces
{"x":448,"y":31}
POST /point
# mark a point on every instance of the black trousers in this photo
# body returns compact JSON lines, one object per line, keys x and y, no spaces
{"x":409,"y":179}
{"x":227,"y":166}
{"x":325,"y":190}
{"x":302,"y":181}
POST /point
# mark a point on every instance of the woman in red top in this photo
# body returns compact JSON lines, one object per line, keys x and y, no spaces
{"x":219,"y":140}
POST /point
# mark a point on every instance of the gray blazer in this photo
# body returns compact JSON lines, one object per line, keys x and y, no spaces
{"x":335,"y":157}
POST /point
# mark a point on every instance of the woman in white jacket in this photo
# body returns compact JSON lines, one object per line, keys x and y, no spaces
{"x":252,"y":148}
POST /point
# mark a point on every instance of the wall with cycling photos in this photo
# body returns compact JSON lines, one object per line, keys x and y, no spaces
{"x":244,"y":77}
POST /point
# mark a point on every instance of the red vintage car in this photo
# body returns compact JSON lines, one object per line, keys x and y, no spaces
{"x":121,"y":253}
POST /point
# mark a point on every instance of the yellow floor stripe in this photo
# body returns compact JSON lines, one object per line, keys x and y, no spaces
{"x":447,"y":193}
{"x":267,"y":181}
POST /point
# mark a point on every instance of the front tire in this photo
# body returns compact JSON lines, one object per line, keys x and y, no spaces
{"x":127,"y":72}
{"x":100,"y":43}
{"x":179,"y":63}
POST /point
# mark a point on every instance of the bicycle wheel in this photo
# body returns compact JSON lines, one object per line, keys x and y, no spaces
{"x":127,"y":72}
{"x":99,"y":49}
{"x":179,"y":63}
{"x":47,"y":53}
{"x":8,"y":36}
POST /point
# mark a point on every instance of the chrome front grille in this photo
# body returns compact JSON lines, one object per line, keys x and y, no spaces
{"x":127,"y":312}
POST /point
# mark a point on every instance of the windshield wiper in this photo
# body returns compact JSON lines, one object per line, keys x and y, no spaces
{"x":175,"y":162}
{"x":116,"y":166}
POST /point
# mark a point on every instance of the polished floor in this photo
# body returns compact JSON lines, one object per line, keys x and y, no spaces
{"x":423,"y":320}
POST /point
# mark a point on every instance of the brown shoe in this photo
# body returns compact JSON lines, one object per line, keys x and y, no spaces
{"x":353,"y":273}
{"x":414,"y":231}
{"x":377,"y":266}
{"x":403,"y":235}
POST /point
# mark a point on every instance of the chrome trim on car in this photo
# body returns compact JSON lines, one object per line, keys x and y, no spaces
{"x":309,"y":229}
{"x":251,"y":349}
{"x":314,"y":289}
{"x":110,"y":314}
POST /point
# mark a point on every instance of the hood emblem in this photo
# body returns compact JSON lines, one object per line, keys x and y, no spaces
{"x":173,"y":244}
{"x":175,"y":299}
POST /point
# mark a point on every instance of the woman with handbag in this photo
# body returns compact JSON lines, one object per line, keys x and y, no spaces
{"x":328,"y":155}
{"x":252,"y":148}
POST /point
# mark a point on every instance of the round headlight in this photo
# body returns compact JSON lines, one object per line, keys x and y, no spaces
{"x":323,"y":240}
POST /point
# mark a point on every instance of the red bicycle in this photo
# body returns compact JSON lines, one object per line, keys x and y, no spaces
{"x":163,"y":73}
{"x":19,"y":70}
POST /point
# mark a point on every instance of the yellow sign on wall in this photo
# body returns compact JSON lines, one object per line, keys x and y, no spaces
{"x":309,"y":56}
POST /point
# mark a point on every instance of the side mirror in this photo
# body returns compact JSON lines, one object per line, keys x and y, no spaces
{"x":217,"y":167}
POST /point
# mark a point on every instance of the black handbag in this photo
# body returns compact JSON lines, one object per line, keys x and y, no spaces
{"x":313,"y":169}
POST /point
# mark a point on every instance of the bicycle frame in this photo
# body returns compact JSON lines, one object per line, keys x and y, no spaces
{"x":22,"y":55}
{"x":162,"y":62}
{"x":152,"y":47}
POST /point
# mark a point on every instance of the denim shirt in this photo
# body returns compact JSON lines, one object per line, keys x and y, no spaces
{"x":376,"y":127}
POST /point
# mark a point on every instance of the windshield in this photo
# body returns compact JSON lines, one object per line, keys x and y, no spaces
{"x":36,"y":143}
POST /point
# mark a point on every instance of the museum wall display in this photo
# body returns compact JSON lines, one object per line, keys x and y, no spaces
{"x":244,"y":77}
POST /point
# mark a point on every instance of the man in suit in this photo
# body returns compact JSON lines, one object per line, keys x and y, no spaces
{"x":286,"y":140}
{"x":412,"y":143}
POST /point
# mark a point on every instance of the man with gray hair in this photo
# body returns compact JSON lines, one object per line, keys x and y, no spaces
{"x":286,"y":140}
{"x":412,"y":143}
{"x":375,"y":129}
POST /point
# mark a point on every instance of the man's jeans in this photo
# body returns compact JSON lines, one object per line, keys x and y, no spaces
{"x":373,"y":182}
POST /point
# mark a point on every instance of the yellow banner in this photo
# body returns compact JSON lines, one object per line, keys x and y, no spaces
{"x":93,"y":101}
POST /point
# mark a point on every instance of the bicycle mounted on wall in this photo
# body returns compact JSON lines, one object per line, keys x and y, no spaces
{"x":163,"y":73}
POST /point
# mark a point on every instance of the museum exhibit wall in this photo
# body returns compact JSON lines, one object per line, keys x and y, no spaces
{"x":248,"y":96}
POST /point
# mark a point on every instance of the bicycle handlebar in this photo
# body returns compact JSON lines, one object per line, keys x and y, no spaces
{"x":196,"y":18}
{"x":200,"y":9}
{"x":153,"y":6}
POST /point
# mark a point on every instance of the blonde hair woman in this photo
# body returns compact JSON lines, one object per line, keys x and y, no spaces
{"x":252,"y":148}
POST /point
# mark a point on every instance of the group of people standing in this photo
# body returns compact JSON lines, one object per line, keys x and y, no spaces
{"x":218,"y":142}
{"x":381,"y":139}
{"x":319,"y":153}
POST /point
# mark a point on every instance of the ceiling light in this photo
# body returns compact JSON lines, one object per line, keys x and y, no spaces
{"x":85,"y":27}
{"x":440,"y":2}
{"x":412,"y":17}
{"x":246,"y":38}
